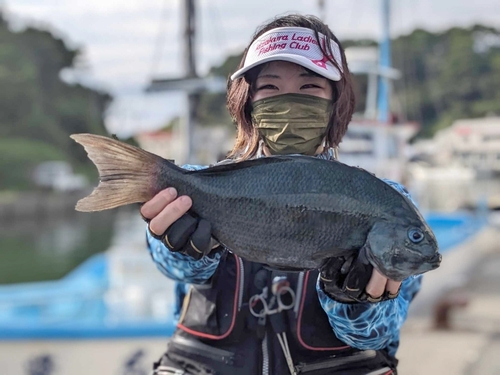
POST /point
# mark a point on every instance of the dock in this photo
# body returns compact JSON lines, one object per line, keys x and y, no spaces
{"x":453,"y":325}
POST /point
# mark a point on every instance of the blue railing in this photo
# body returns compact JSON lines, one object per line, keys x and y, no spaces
{"x":453,"y":229}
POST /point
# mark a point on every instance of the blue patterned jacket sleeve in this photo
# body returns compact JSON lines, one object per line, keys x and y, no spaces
{"x":179,"y":267}
{"x":372,"y":325}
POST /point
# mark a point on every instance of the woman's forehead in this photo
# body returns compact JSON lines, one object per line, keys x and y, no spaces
{"x":283,"y":67}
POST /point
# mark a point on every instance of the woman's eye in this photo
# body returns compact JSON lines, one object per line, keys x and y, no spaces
{"x":311,"y":86}
{"x":266,"y":87}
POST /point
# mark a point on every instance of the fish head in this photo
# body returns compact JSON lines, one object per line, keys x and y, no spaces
{"x":400,"y":250}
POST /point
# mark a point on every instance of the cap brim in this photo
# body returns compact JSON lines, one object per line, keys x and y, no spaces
{"x":332,"y":73}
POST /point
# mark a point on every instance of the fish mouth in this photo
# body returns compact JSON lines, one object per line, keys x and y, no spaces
{"x":435,"y":260}
{"x":399,"y":265}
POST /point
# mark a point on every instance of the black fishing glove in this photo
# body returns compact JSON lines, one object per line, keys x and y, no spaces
{"x":188,"y":235}
{"x":344,"y":279}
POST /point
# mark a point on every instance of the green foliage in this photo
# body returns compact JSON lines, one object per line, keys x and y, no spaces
{"x":20,"y":157}
{"x":228,"y":67}
{"x":358,"y":43}
{"x":32,"y":251}
{"x":212,"y":106}
{"x":446,"y":76}
{"x":36,"y":105}
{"x":449,"y":75}
{"x":173,"y":124}
{"x":212,"y":110}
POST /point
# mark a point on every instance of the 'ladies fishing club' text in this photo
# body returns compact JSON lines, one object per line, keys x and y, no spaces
{"x":281,"y":41}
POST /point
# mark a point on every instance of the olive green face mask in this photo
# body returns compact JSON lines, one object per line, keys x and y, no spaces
{"x":292,"y":123}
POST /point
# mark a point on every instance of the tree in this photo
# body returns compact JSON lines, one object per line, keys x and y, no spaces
{"x":449,"y":75}
{"x":35,"y":104}
{"x":445,"y":76}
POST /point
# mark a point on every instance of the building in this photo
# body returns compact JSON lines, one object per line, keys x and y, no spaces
{"x":459,"y":167}
{"x":474,"y":143}
{"x":380,"y":148}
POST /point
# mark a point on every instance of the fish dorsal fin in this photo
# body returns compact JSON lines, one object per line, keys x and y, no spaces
{"x":227,"y":167}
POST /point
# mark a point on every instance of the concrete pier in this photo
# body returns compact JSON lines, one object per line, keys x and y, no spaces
{"x":468,"y":284}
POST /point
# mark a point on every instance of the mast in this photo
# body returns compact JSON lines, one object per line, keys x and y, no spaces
{"x":190,"y":82}
{"x":385,"y":63}
{"x":190,"y":64}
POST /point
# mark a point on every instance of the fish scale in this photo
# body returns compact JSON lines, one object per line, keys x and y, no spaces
{"x":290,"y":212}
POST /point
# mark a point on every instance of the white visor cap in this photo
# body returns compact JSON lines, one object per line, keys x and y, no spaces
{"x":297,"y":45}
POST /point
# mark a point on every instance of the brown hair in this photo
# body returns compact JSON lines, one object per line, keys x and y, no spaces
{"x":239,"y":91}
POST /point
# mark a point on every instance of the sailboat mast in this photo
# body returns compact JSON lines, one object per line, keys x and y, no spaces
{"x":384,"y":62}
{"x":190,"y":66}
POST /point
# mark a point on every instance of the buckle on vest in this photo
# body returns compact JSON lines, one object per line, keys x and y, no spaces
{"x":283,"y":298}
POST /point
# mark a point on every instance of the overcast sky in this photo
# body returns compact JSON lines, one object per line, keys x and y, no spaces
{"x":125,"y":42}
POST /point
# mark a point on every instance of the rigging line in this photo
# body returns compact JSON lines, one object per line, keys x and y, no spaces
{"x":138,"y":105}
{"x":220,"y":23}
{"x":160,"y":41}
{"x":401,"y":104}
{"x":360,"y":6}
{"x":354,"y":13}
{"x":217,"y":25}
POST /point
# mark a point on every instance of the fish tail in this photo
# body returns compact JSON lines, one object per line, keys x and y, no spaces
{"x":127,"y":174}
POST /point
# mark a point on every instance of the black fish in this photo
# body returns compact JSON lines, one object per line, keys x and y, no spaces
{"x":290,"y":212}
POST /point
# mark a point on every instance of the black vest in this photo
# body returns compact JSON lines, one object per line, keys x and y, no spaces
{"x":217,"y":329}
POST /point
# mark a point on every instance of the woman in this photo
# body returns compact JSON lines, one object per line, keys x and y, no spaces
{"x":292,"y":94}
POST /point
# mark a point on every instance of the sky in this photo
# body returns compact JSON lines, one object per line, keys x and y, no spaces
{"x":125,"y":43}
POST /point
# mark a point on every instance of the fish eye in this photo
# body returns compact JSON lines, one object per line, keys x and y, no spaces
{"x":415,"y":235}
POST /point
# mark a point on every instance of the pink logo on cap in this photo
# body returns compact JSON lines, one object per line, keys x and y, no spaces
{"x":322,"y":63}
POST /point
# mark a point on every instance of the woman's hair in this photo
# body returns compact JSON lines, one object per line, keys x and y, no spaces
{"x":239,"y":91}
